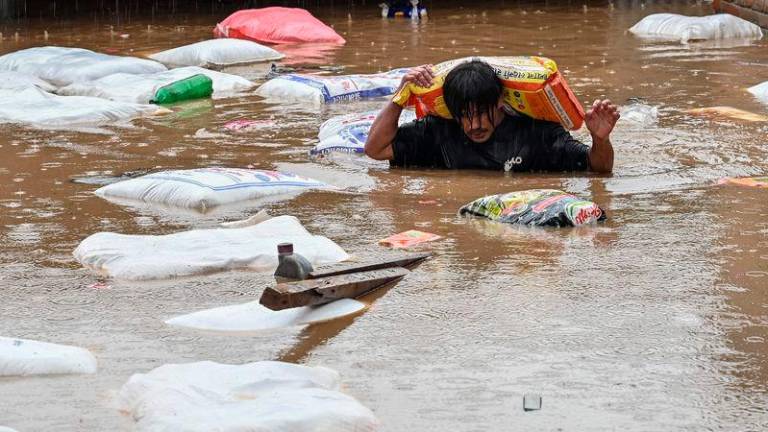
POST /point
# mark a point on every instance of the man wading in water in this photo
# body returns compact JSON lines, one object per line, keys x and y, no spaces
{"x":484,"y":136}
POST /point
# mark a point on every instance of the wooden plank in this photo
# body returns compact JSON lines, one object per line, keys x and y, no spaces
{"x":314,"y":292}
{"x":407,"y":261}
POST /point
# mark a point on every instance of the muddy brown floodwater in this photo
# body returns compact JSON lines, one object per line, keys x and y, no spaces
{"x":655,"y":320}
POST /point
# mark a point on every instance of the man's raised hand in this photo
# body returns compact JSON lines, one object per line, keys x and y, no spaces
{"x":419,"y":75}
{"x":601,"y":119}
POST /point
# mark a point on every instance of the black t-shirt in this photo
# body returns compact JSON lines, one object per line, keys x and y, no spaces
{"x":518,"y":144}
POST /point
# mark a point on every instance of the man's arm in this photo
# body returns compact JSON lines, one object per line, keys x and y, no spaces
{"x":384,"y":129}
{"x":600,"y":120}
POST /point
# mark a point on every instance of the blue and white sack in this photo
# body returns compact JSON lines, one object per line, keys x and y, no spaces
{"x":330,"y":89}
{"x":348,"y":133}
{"x":206,"y":188}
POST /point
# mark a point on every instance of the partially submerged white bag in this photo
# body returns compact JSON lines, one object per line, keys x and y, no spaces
{"x":760,"y":91}
{"x":32,"y":106}
{"x":639,"y":114}
{"x":206,"y":188}
{"x":329,"y":89}
{"x":63,"y":66}
{"x":688,"y":28}
{"x":141,"y":88}
{"x":22,"y":357}
{"x":263,"y":396}
{"x":217,"y":53}
{"x":252,"y":316}
{"x":203,"y":251}
{"x":348,"y":133}
{"x":15,"y":80}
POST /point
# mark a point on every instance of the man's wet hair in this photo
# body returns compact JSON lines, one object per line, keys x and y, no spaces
{"x":471,"y":89}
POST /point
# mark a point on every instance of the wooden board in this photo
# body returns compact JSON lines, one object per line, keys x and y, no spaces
{"x":313,"y":292}
{"x":407,"y":261}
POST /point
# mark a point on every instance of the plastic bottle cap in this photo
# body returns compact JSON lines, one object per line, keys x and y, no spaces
{"x":285,"y":248}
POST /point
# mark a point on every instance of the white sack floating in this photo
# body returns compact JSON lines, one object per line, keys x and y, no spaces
{"x":17,"y":80}
{"x":348,"y":133}
{"x":22,"y":357}
{"x":63,"y":66}
{"x":142,"y":88}
{"x":329,"y":89}
{"x":263,"y":396}
{"x":206,"y":188}
{"x":253,"y":317}
{"x":217,"y":53}
{"x":32,"y":106}
{"x":688,"y":28}
{"x":203,"y":251}
{"x":760,"y":91}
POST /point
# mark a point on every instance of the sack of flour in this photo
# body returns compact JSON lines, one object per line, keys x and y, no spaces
{"x":532,"y":86}
{"x":146,"y":88}
{"x":330,"y":89}
{"x":63,"y":66}
{"x":348,"y":133}
{"x":217,"y":53}
{"x":206,"y":188}
{"x":692,"y":28}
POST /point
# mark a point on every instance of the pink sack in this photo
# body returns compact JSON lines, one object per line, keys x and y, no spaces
{"x":276,"y":25}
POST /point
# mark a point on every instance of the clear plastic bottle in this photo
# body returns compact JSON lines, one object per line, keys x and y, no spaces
{"x":291,"y":265}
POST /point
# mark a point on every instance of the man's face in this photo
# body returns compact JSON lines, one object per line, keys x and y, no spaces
{"x":480,"y":127}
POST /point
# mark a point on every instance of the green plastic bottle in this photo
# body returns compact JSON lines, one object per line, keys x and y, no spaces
{"x":195,"y":87}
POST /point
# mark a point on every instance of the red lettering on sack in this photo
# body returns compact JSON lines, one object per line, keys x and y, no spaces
{"x":585,"y":215}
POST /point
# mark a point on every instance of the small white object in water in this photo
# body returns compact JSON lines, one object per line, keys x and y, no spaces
{"x":760,"y":91}
{"x":639,"y":114}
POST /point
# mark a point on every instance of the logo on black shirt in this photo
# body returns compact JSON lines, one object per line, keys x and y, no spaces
{"x":512,"y":162}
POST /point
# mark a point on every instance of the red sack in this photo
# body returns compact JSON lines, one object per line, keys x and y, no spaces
{"x":276,"y":25}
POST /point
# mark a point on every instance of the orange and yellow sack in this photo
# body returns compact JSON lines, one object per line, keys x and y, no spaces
{"x":532,"y":86}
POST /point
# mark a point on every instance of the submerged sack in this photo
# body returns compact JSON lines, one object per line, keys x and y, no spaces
{"x":22,"y":357}
{"x":348,"y":133}
{"x":539,"y":207}
{"x":16,"y":80}
{"x":253,"y":316}
{"x":202,"y":251}
{"x":30,"y":105}
{"x":688,"y":28}
{"x":205,"y":188}
{"x":531,"y":85}
{"x":144,"y":88}
{"x":63,"y":66}
{"x":276,"y":25}
{"x":265,"y":396}
{"x":760,"y":91}
{"x":329,"y":89}
{"x":217,"y":53}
